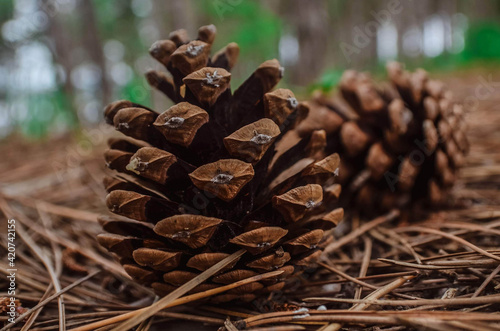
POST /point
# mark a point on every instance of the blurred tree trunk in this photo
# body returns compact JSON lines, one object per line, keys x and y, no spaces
{"x":448,"y":8}
{"x":341,"y":30}
{"x":182,"y":16}
{"x":420,"y":11}
{"x":401,"y":24}
{"x":370,"y":53}
{"x":93,"y":45}
{"x":61,"y":44}
{"x":160,"y":11}
{"x":160,"y":16}
{"x":335,"y":33}
{"x":480,"y":9}
{"x":310,"y":18}
{"x":357,"y":33}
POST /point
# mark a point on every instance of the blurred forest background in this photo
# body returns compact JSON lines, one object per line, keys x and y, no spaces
{"x":61,"y":61}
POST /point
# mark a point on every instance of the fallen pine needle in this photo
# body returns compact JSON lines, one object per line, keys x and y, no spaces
{"x":417,"y":302}
{"x":135,"y":317}
{"x":359,"y":231}
{"x":365,"y":303}
{"x":50,"y":298}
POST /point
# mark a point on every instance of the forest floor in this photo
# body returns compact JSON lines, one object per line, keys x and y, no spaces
{"x":439,"y":273}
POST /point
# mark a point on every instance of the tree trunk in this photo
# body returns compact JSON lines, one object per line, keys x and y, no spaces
{"x":93,"y":45}
{"x":310,"y":19}
{"x":61,"y":45}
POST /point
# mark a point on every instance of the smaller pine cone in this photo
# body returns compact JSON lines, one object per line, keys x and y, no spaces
{"x":203,"y":179}
{"x":401,"y":143}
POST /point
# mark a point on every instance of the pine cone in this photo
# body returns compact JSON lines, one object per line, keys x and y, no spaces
{"x":401,"y":146}
{"x":203,"y":179}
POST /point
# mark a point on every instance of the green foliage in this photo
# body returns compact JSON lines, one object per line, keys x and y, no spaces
{"x":254,"y":28}
{"x":252,"y":24}
{"x":116,"y":20}
{"x":138,"y":91}
{"x":45,"y":112}
{"x":482,"y":41}
{"x":6,"y":9}
{"x":328,"y":81}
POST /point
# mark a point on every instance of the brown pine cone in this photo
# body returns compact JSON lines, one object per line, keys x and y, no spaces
{"x":202,"y":179}
{"x":400,"y":143}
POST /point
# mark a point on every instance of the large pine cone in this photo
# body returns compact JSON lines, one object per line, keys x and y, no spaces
{"x":402,"y":145}
{"x":203,"y":179}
